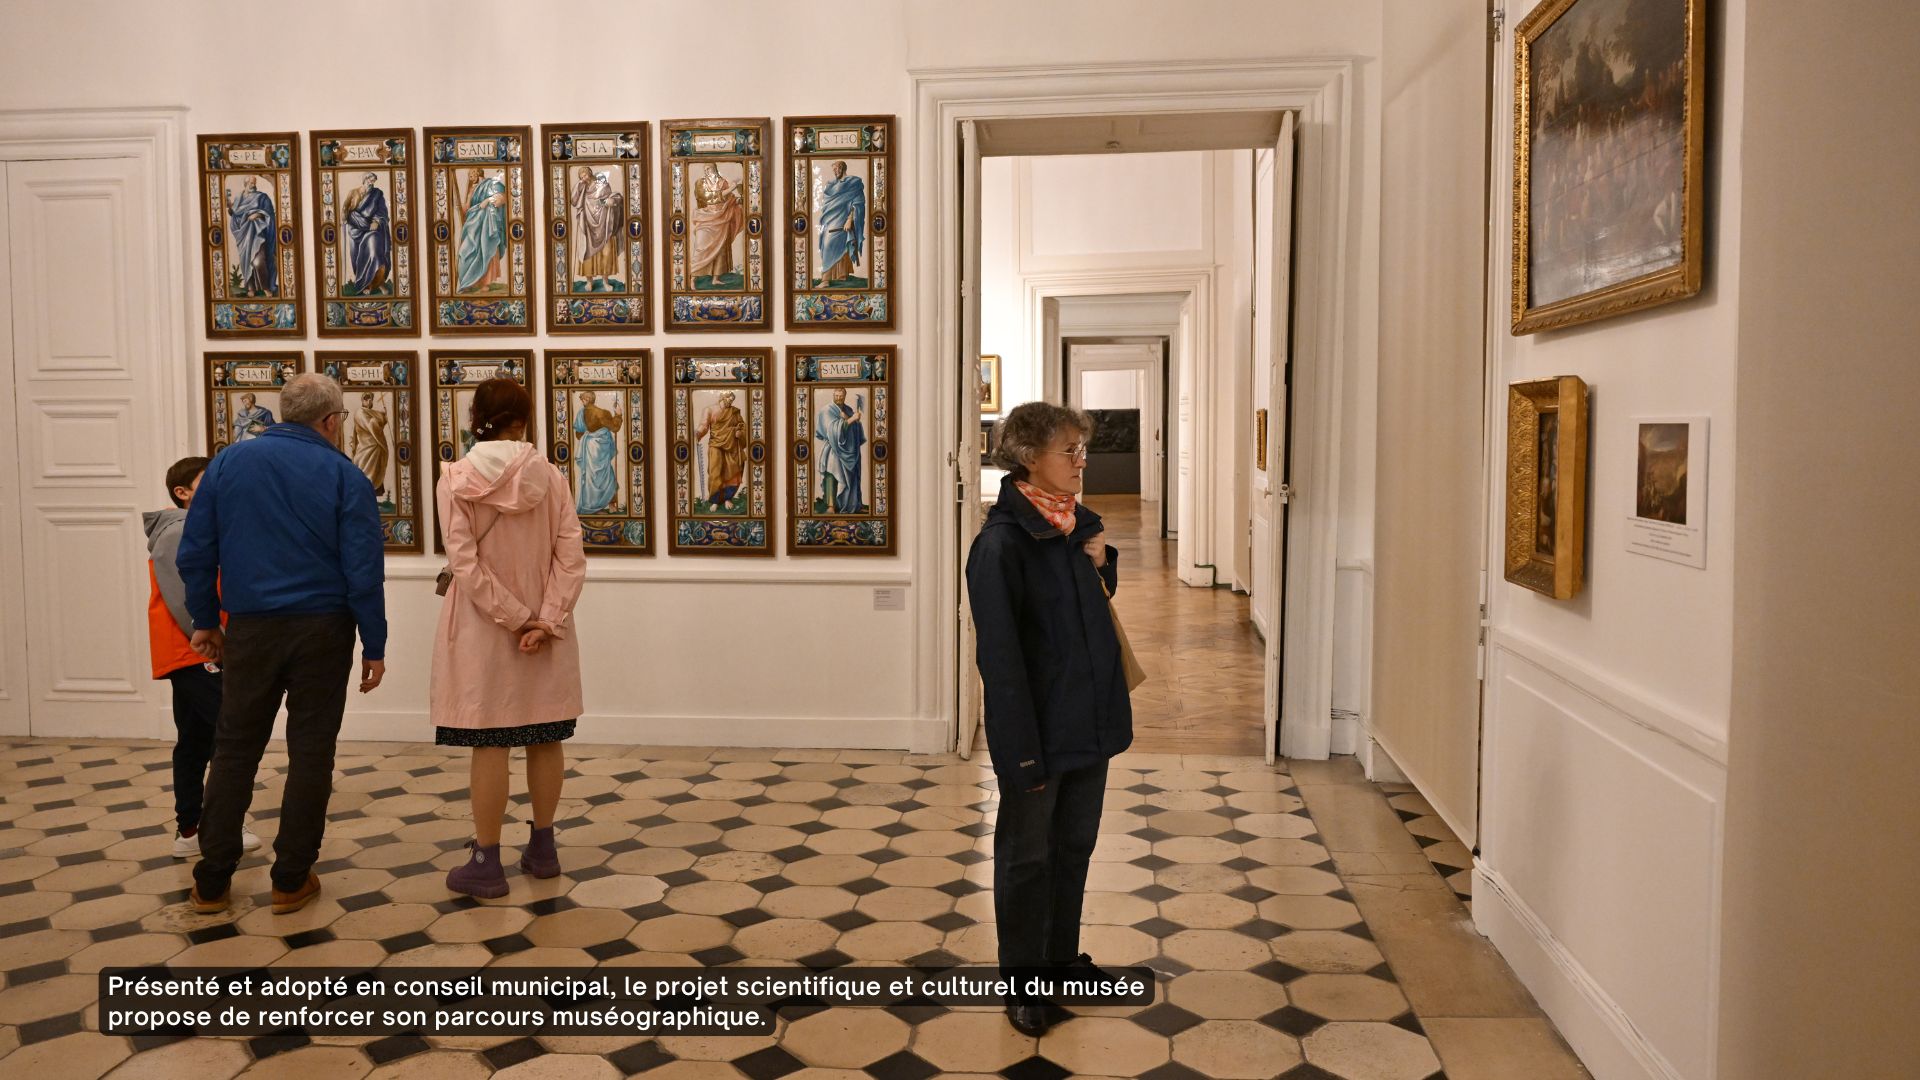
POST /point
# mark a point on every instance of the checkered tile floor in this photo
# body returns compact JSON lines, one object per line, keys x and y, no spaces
{"x":1450,"y":857}
{"x":1209,"y":869}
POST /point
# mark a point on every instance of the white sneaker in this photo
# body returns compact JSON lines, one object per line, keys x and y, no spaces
{"x":186,"y":847}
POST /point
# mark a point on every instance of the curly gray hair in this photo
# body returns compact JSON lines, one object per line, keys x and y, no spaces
{"x":1030,"y":429}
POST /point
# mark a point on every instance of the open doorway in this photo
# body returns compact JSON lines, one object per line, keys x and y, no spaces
{"x":1122,"y":283}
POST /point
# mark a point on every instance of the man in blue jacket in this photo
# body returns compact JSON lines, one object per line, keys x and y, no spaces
{"x":285,"y":533}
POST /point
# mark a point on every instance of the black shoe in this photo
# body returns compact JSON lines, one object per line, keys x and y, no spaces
{"x":1082,"y":966}
{"x":1028,"y":1017}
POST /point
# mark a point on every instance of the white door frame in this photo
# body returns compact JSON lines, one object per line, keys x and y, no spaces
{"x":1150,"y":377}
{"x":156,"y":139}
{"x":1320,"y":91}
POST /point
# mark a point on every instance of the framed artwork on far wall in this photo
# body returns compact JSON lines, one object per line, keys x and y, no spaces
{"x":1547,"y":486}
{"x":382,"y":398}
{"x":455,"y":373}
{"x":250,"y":235}
{"x":715,"y":255}
{"x":840,"y":249}
{"x":1609,"y":176}
{"x":243,"y":394}
{"x":719,"y":415}
{"x":364,"y":196}
{"x":1669,"y":513}
{"x":600,"y":436}
{"x":840,"y":457}
{"x":480,"y":198}
{"x":990,"y":384}
{"x":599,"y":213}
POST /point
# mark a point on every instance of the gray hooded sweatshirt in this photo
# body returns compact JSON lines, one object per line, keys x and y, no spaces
{"x":163,"y":543}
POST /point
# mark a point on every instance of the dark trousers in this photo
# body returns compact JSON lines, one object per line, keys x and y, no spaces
{"x":308,"y":660}
{"x":196,"y":709}
{"x":1041,"y":846}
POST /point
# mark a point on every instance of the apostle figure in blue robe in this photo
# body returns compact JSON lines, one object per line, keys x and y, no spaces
{"x":595,"y":459}
{"x":843,"y":226}
{"x":256,"y":243}
{"x":369,"y":237}
{"x":843,"y":429}
{"x":251,"y":420}
{"x":483,"y":232}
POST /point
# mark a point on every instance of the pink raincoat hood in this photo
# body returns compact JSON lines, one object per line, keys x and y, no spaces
{"x":517,"y":483}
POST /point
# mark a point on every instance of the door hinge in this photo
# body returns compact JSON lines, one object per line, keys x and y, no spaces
{"x":966,"y":289}
{"x":1497,"y":21}
{"x":1284,"y":493}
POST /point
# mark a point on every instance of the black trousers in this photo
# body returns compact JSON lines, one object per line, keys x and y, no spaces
{"x":196,"y":710}
{"x":307,"y":659}
{"x":1041,"y":846}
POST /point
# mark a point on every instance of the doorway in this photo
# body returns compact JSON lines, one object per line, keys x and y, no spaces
{"x":89,"y":320}
{"x":1122,"y":384}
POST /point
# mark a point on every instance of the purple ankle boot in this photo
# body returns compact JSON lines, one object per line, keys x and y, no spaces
{"x":540,"y":859}
{"x":481,"y":875}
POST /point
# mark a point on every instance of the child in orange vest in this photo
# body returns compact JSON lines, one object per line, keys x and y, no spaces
{"x":196,"y":683}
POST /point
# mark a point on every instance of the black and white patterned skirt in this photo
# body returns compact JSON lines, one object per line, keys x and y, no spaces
{"x":524,"y":735}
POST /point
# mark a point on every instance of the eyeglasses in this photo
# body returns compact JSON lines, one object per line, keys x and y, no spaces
{"x":1078,"y":451}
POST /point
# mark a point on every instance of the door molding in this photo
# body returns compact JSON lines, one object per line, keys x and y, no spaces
{"x":155,"y":140}
{"x":1320,"y":91}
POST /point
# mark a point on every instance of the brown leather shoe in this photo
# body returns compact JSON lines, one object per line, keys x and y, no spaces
{"x":209,"y":907}
{"x":286,"y":903}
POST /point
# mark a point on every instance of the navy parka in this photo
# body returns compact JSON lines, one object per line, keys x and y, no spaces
{"x":1056,"y":695}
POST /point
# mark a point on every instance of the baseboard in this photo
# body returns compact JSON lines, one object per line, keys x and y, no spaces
{"x":1379,"y":765}
{"x":1593,"y":1024}
{"x":809,"y":732}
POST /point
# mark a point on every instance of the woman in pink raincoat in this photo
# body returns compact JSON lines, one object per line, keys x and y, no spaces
{"x":506,"y":666}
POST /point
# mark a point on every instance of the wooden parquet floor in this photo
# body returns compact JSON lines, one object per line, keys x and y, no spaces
{"x":1198,"y":646}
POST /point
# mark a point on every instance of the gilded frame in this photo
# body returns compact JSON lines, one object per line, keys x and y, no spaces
{"x":227,"y":375}
{"x":627,"y":374}
{"x":1546,"y":519}
{"x":866,"y":373}
{"x":450,"y":371}
{"x":337,"y":157}
{"x":451,"y":153}
{"x":566,"y":148}
{"x":395,"y":376}
{"x":691,"y":142}
{"x":818,"y":305}
{"x":1660,"y":285}
{"x":283,"y":312}
{"x":990,"y":384}
{"x":689,"y":531}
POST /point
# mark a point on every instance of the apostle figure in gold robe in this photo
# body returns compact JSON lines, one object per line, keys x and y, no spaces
{"x":367,"y":443}
{"x":601,"y":222}
{"x":725,"y":430}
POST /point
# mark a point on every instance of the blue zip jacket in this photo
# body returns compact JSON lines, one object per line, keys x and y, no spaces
{"x":285,"y":524}
{"x":1056,"y":695}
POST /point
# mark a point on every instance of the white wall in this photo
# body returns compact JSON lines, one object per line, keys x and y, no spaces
{"x":676,"y":648}
{"x":1604,"y":768}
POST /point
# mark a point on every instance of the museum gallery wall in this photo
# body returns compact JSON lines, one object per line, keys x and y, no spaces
{"x":517,"y":236}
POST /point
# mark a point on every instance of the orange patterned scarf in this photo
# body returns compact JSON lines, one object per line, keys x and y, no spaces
{"x":1057,"y":509}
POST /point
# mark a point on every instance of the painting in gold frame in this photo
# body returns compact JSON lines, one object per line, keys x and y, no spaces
{"x":1547,"y":485}
{"x":990,"y":384}
{"x":1608,"y":159}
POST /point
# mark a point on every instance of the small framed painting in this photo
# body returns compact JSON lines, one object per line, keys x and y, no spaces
{"x":599,"y":434}
{"x":598,"y":212}
{"x":719,"y":404}
{"x":382,"y":391}
{"x":714,"y":248}
{"x":1547,"y":485}
{"x":455,"y":374}
{"x":1609,"y":174}
{"x":250,"y":235}
{"x":840,"y":461}
{"x":1669,"y":519}
{"x":363,"y":202}
{"x":990,"y":384}
{"x":243,"y":394}
{"x":840,"y":249}
{"x":481,"y":208}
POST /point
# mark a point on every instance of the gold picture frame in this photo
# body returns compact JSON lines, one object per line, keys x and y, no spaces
{"x":1609,"y":176}
{"x":1260,"y":439}
{"x":1547,"y":486}
{"x":990,"y":383}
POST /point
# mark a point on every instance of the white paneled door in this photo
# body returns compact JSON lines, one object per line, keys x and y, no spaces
{"x":81,"y":415}
{"x":966,"y":455}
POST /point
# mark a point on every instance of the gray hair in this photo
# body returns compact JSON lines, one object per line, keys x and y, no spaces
{"x":1030,"y":429}
{"x":310,"y":398}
